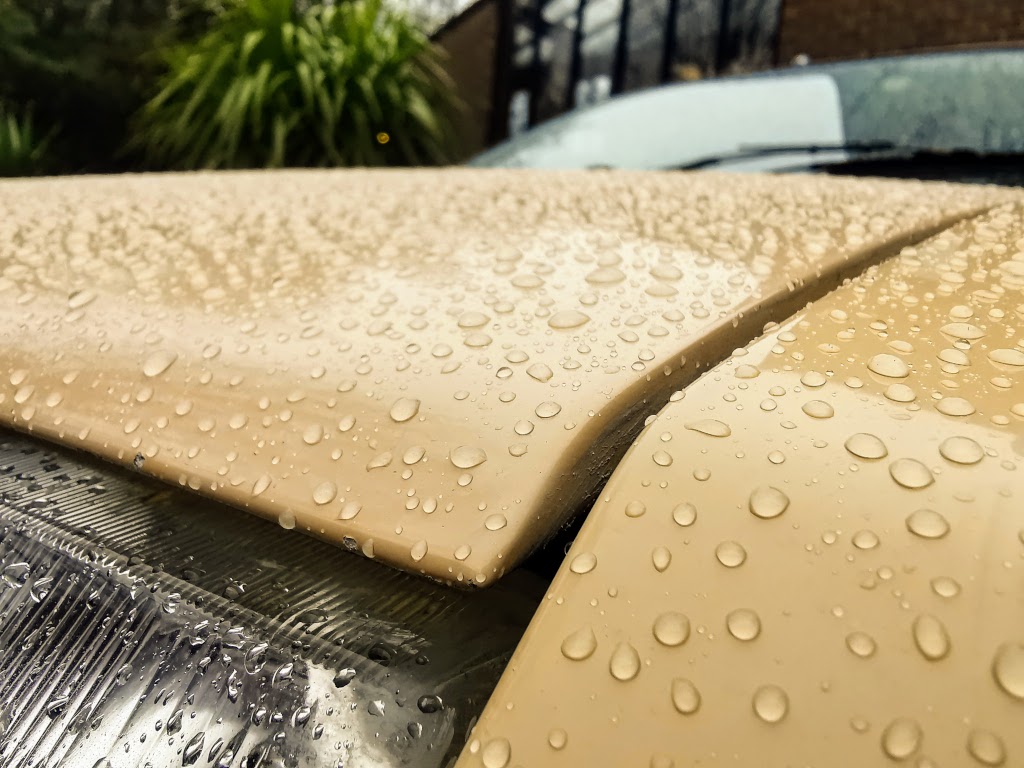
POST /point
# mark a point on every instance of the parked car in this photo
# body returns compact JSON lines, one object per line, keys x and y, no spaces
{"x":956,"y":116}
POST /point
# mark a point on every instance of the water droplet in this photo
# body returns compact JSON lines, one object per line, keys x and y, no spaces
{"x":943,"y":586}
{"x":557,"y":738}
{"x":496,"y":753}
{"x":584,"y":562}
{"x":684,"y":514}
{"x":413,"y":455}
{"x":580,"y":645}
{"x":404,"y":409}
{"x":865,"y":539}
{"x":743,"y":624}
{"x":349,"y":510}
{"x":901,"y":738}
{"x":911,"y":473}
{"x":495,"y":522}
{"x":961,"y":450}
{"x":747,"y":371}
{"x":429,"y":704}
{"x":731,"y":554}
{"x":954,"y":406}
{"x":712,"y":427}
{"x":768,"y":502}
{"x":931,"y":637}
{"x":158,"y":362}
{"x":818,"y":409}
{"x":635,"y":508}
{"x":965,"y":331}
{"x":540,"y":372}
{"x":986,"y":747}
{"x":344,"y":677}
{"x":1010,"y":357}
{"x":928,"y":524}
{"x":671,"y":628}
{"x":261,"y":485}
{"x":770,"y":703}
{"x":861,"y":644}
{"x":889,"y":366}
{"x":662,"y":558}
{"x":866,"y":446}
{"x":662,"y":458}
{"x":567,"y":319}
{"x":624,"y":663}
{"x":1008,"y":669}
{"x":325,"y":492}
{"x":473,"y":320}
{"x":685,"y":696}
{"x":813,"y":379}
{"x":467,"y":457}
{"x":418,"y":550}
{"x":313,"y":434}
{"x":548,"y":410}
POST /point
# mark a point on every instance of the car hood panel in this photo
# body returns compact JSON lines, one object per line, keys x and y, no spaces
{"x":813,"y":558}
{"x":434,"y":368}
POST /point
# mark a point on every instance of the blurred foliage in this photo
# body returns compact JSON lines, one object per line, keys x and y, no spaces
{"x":124,"y":84}
{"x":87,"y":66}
{"x":22,"y":150}
{"x":275,"y":83}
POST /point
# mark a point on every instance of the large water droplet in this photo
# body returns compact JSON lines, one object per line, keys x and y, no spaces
{"x":325,"y":492}
{"x":158,"y":362}
{"x":712,"y":427}
{"x":861,"y":644}
{"x":567,"y":319}
{"x":584,"y":562}
{"x":954,"y":406}
{"x":961,"y":450}
{"x":731,"y":554}
{"x":1008,"y":669}
{"x":770,"y":703}
{"x":911,"y":473}
{"x":662,"y":558}
{"x":685,"y":696}
{"x":864,"y":445}
{"x":818,"y":409}
{"x":767,"y":502}
{"x":404,"y":409}
{"x":540,"y":372}
{"x":580,"y":645}
{"x":889,"y":366}
{"x":684,"y":514}
{"x":986,"y":747}
{"x":928,"y":524}
{"x":671,"y":628}
{"x":901,"y":738}
{"x":743,"y":624}
{"x":467,"y":457}
{"x":496,"y":753}
{"x":624,"y":663}
{"x":930,"y":637}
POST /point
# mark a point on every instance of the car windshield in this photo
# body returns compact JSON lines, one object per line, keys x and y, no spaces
{"x":798,"y":117}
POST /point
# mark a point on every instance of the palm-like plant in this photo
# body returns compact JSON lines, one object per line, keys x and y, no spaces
{"x":22,"y":150}
{"x":271,"y":85}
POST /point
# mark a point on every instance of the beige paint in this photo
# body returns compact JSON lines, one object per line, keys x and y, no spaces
{"x":436,"y":367}
{"x":815,"y":557}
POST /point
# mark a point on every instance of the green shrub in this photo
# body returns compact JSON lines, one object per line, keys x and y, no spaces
{"x":273,"y":85}
{"x":88,"y":66}
{"x":22,"y":151}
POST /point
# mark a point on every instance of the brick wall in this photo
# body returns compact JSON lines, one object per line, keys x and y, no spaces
{"x":470,"y":45}
{"x":847,"y":29}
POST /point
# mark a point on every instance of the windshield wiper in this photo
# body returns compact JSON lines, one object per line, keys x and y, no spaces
{"x":751,"y":151}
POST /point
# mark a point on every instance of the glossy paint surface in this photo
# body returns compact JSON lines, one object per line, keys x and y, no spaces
{"x":432,"y":368}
